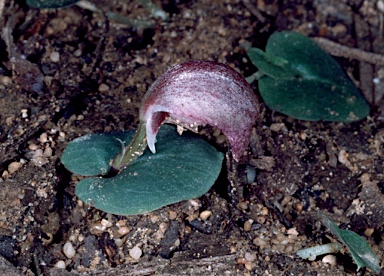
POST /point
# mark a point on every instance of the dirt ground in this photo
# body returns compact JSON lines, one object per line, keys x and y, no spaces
{"x":87,"y":74}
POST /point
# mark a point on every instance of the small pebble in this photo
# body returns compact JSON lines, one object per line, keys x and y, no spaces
{"x":177,"y":242}
{"x":241,"y":260}
{"x":163,"y":227}
{"x":103,"y":88}
{"x":54,"y":57}
{"x":278,"y":248}
{"x":98,"y":228}
{"x":172,"y":215}
{"x":369,"y":231}
{"x":261,"y":219}
{"x":249,"y":266}
{"x":48,"y":152}
{"x":216,"y":133}
{"x":276,"y":127}
{"x":33,"y":147}
{"x":119,"y":242}
{"x":77,"y":53}
{"x":330,"y":259}
{"x":24,"y":113}
{"x":135,"y":252}
{"x":120,"y":223}
{"x":343,"y":157}
{"x":5,"y":80}
{"x":80,"y":238}
{"x":154,"y":218}
{"x":123,"y":230}
{"x":251,"y":257}
{"x":9,"y":120}
{"x":43,"y":138}
{"x":285,"y":200}
{"x":106,"y":223}
{"x":243,"y":205}
{"x":48,"y":80}
{"x":292,"y":231}
{"x":248,"y":225}
{"x":69,"y":250}
{"x":205,"y":215}
{"x":260,"y":242}
{"x":60,"y":265}
{"x":288,"y":248}
{"x":365,"y":177}
{"x":14,"y":167}
{"x":158,"y":235}
{"x":221,"y":139}
{"x":264,"y":211}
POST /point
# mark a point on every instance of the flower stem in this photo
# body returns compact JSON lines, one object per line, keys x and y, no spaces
{"x":131,"y":152}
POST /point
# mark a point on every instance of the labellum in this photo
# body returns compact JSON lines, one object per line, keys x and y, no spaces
{"x":196,"y":93}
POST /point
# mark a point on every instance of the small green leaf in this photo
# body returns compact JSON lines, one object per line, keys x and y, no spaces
{"x":304,"y":82}
{"x":360,"y":250}
{"x":273,"y":66}
{"x":90,"y":154}
{"x":183,"y":168}
{"x":50,"y":4}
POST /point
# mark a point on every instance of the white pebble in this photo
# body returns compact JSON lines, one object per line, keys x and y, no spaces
{"x":343,"y":157}
{"x":135,"y":252}
{"x":123,"y":230}
{"x":251,"y":257}
{"x":77,"y":53}
{"x":380,"y":5}
{"x":24,"y":113}
{"x":14,"y":167}
{"x":60,"y":265}
{"x":33,"y":147}
{"x":119,"y":242}
{"x":54,"y":56}
{"x":68,"y":250}
{"x":205,"y":214}
{"x":80,"y":117}
{"x":43,"y":138}
{"x":5,"y":80}
{"x":330,"y":259}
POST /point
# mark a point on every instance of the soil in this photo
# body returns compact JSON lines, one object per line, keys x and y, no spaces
{"x":86,"y":74}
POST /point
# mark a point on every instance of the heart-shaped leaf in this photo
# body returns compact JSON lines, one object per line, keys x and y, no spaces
{"x":304,"y":82}
{"x":183,"y":168}
{"x":90,"y":155}
{"x":50,"y":4}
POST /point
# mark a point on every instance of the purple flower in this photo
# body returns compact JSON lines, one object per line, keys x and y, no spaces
{"x":198,"y":93}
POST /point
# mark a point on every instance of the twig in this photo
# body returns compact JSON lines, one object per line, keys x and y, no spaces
{"x":339,"y":50}
{"x":254,"y":10}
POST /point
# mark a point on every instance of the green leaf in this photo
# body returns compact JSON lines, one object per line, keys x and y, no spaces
{"x":90,"y":154}
{"x":273,"y":66}
{"x":183,"y":168}
{"x":304,"y":82}
{"x":360,"y":250}
{"x":50,"y":4}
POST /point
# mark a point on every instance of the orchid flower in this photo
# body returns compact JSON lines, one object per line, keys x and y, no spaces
{"x":192,"y":94}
